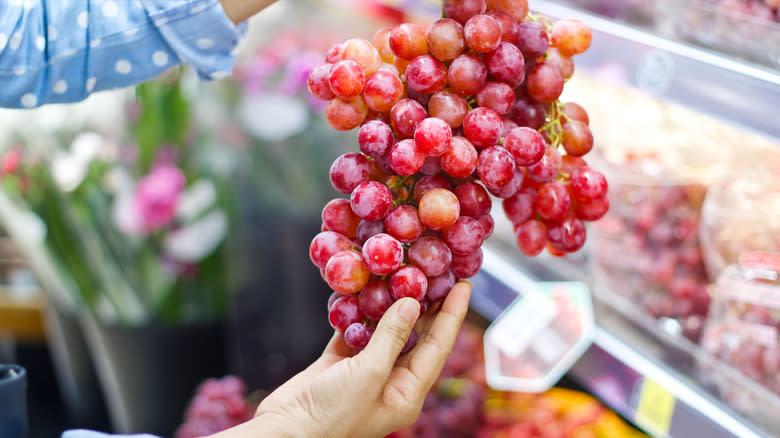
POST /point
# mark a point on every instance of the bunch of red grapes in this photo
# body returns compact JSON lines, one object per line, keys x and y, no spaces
{"x":218,"y":405}
{"x":447,"y":117}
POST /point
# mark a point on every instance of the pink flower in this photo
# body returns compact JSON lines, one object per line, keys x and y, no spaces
{"x":157,"y":195}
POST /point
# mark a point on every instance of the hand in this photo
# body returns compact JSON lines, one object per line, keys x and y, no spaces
{"x":241,"y":10}
{"x":372,"y":393}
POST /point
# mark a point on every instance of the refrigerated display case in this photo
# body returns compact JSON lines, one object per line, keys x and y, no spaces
{"x":667,"y":93}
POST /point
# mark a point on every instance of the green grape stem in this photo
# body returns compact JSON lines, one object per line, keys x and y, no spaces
{"x":553,"y":127}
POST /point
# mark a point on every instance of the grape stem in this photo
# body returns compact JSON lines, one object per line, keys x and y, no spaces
{"x":553,"y":127}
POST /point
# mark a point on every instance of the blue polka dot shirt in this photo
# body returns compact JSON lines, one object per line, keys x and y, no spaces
{"x":55,"y":51}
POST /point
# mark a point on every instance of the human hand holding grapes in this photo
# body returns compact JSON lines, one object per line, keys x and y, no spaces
{"x":371,"y":393}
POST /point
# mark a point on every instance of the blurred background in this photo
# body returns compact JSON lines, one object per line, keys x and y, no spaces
{"x":154,"y":237}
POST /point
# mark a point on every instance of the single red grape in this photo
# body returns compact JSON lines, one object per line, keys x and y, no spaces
{"x":482,"y":33}
{"x":526,"y":145}
{"x":319,"y":82}
{"x":363,"y":53}
{"x":545,"y":82}
{"x":473,"y":199}
{"x":439,"y":287}
{"x":449,"y":107}
{"x":593,"y":210}
{"x":367,"y":229}
{"x":349,"y":170}
{"x":528,"y":112}
{"x":334,"y":54}
{"x":571,"y":36}
{"x":575,"y":112}
{"x":383,"y":90}
{"x":462,"y":10}
{"x":531,"y":237}
{"x":381,"y":41}
{"x":405,"y":116}
{"x":344,"y":115}
{"x":382,"y":254}
{"x":371,"y":200}
{"x":517,"y":9}
{"x":577,"y":138}
{"x":488,"y":224}
{"x":464,"y":236}
{"x":553,"y":201}
{"x":467,"y":74}
{"x":404,"y":224}
{"x":357,"y":336}
{"x":346,"y":273}
{"x":532,"y":39}
{"x":426,"y":74}
{"x":325,"y":245}
{"x":345,"y":312}
{"x":460,"y":161}
{"x":588,"y":184}
{"x":497,"y":96}
{"x":375,"y":138}
{"x":466,"y":266}
{"x":431,"y":255}
{"x":337,"y":216}
{"x":506,"y":64}
{"x":347,"y":79}
{"x":375,"y":299}
{"x":431,"y":165}
{"x":406,"y":158}
{"x":409,"y":281}
{"x":482,"y":126}
{"x":439,"y":209}
{"x":433,"y":136}
{"x":520,"y":208}
{"x":445,"y":39}
{"x":496,"y":167}
{"x":568,"y":235}
{"x":407,"y":41}
{"x":509,"y":189}
{"x":564,"y":63}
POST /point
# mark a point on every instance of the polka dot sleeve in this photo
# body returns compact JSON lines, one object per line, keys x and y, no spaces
{"x":55,"y":52}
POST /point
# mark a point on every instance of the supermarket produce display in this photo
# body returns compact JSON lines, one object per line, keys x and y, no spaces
{"x":449,"y":116}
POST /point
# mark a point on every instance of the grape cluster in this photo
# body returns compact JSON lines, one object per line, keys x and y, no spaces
{"x":447,"y":117}
{"x":218,"y":404}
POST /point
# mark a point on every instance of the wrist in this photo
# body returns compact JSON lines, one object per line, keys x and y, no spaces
{"x":241,"y":10}
{"x":272,"y":424}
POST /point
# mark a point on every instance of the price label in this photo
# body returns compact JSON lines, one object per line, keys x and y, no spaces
{"x":655,"y":408}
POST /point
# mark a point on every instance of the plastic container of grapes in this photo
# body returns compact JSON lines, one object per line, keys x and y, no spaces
{"x":743,"y":215}
{"x":645,"y":252}
{"x":743,"y":330}
{"x":539,"y":337}
{"x":748,"y":30}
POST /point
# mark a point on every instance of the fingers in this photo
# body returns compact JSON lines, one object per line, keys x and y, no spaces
{"x":337,"y":347}
{"x":427,"y":359}
{"x":391,"y":334}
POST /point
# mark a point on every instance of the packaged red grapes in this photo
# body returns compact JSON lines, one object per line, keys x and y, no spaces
{"x":538,"y":338}
{"x":448,"y":117}
{"x":743,"y":329}
{"x":646,"y":249}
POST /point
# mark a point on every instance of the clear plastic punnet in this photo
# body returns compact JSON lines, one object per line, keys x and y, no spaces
{"x":743,"y":328}
{"x":539,"y":337}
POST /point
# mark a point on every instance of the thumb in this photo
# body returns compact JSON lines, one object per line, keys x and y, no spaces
{"x":391,"y":334}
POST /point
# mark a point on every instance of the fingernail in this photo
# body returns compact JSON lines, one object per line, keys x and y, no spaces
{"x":410,"y":310}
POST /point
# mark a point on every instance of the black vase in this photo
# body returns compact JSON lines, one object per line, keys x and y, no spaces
{"x":148,"y":374}
{"x":13,"y":401}
{"x":278,"y":320}
{"x":77,"y":378}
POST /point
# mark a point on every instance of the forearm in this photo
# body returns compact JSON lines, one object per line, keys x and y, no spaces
{"x":241,"y":10}
{"x":269,"y":426}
